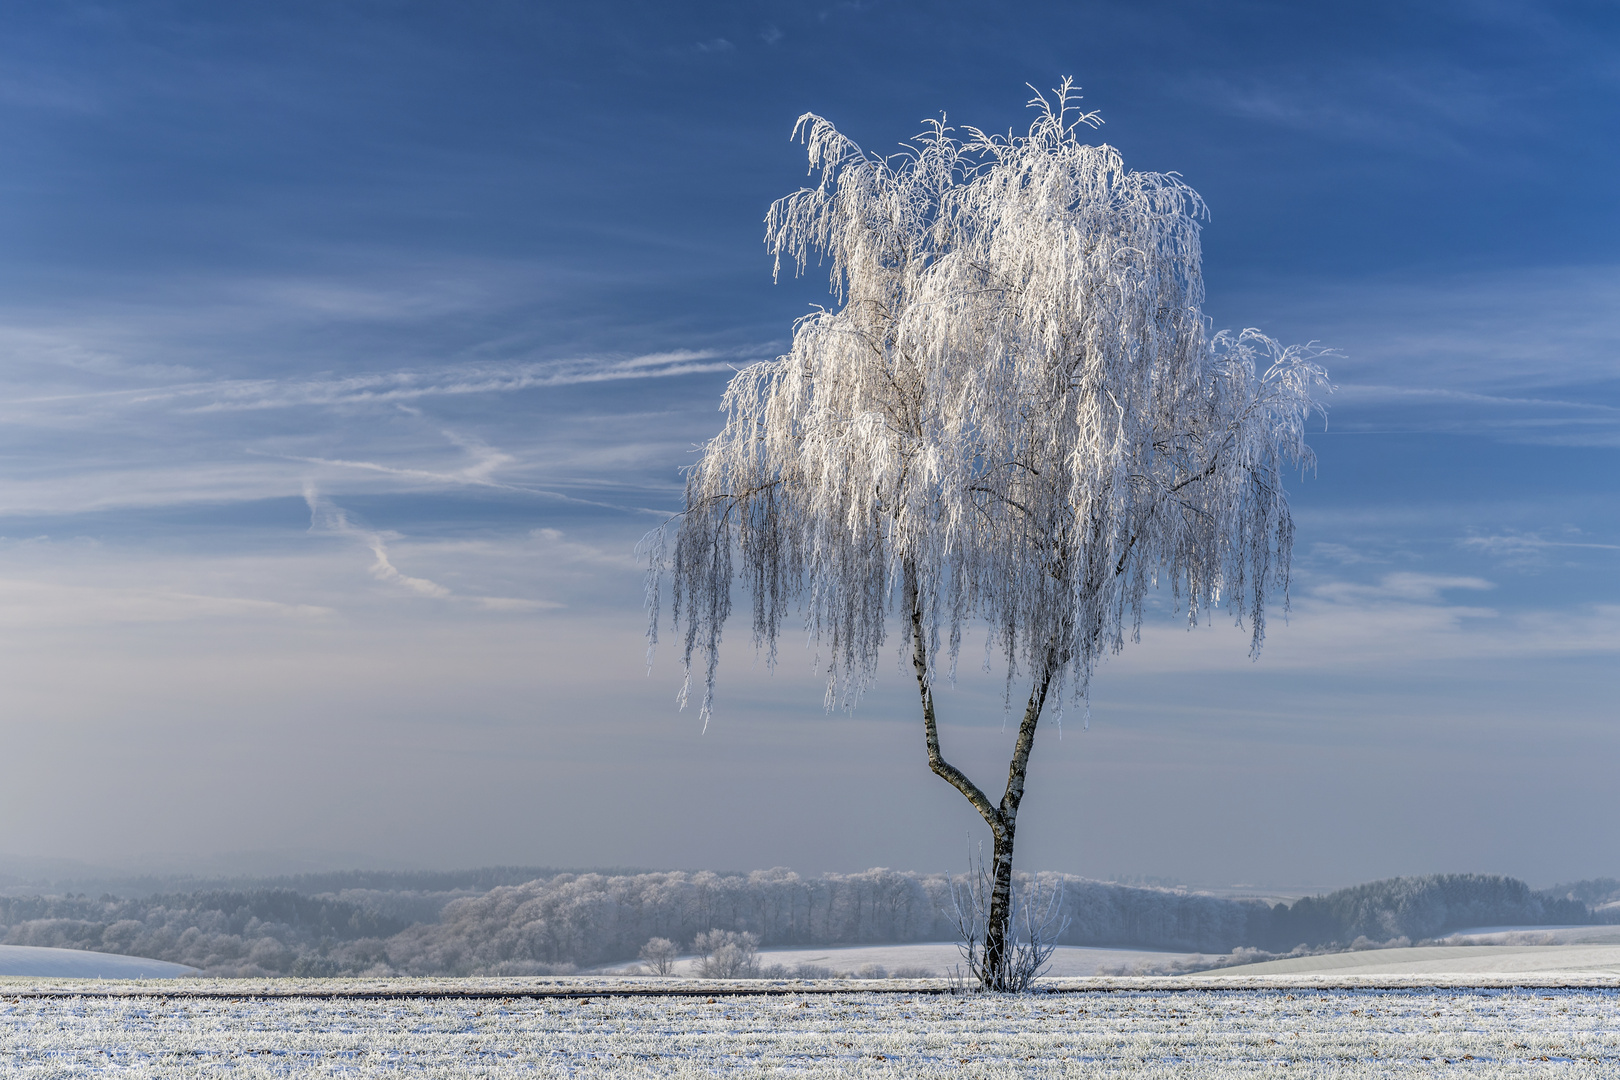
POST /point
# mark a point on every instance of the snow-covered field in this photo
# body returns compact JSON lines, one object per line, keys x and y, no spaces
{"x":1542,"y":961}
{"x":77,"y":964}
{"x":940,"y":957}
{"x":1549,"y":951}
{"x":1139,"y":1032}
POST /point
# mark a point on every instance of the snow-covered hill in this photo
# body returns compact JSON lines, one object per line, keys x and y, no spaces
{"x":79,"y":964}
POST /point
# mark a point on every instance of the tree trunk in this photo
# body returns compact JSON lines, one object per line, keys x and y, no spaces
{"x":998,"y":936}
{"x":1003,"y":819}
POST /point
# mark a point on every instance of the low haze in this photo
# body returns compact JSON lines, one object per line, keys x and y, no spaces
{"x":349,"y":349}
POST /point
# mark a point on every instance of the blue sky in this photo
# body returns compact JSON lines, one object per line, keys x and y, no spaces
{"x":348,"y":349}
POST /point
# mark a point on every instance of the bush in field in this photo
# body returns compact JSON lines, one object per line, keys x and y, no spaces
{"x":727,"y":954}
{"x":659,"y":955}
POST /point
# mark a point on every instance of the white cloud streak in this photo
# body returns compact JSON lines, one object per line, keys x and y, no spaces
{"x":1401,"y":625}
{"x":326,"y":517}
{"x":471,"y":477}
{"x":391,"y":387}
{"x":1507,"y":337}
{"x":1529,"y":549}
{"x":171,"y":442}
{"x":1432,"y":109}
{"x":386,"y":387}
{"x":1354,"y":393}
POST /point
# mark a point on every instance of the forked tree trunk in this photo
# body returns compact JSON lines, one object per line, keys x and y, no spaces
{"x":1002,"y":819}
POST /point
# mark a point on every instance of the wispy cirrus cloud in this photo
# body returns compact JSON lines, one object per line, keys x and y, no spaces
{"x":1534,"y":550}
{"x":480,"y":472}
{"x":401,"y":386}
{"x":1521,"y":542}
{"x":459,"y":478}
{"x":1354,"y":393}
{"x":387,"y":387}
{"x":169,"y":442}
{"x":1400,"y":624}
{"x":1564,"y":421}
{"x":1527,"y":355}
{"x":327,"y":517}
{"x":1426,"y":96}
{"x":1504,"y":335}
{"x":324,"y":516}
{"x":1408,"y":106}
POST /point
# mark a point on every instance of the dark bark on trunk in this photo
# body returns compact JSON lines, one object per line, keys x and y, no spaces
{"x":1002,"y":819}
{"x":998,"y":934}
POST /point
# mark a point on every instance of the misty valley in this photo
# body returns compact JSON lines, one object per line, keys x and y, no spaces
{"x":532,"y":921}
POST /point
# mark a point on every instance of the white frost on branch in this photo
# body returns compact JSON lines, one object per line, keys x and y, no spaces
{"x":1017,"y":414}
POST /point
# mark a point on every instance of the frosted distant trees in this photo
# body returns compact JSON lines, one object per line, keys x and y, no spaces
{"x":1015,"y":415}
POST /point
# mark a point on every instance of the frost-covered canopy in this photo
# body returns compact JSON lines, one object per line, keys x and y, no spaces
{"x":1015,"y":414}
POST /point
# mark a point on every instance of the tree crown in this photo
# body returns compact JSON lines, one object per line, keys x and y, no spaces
{"x":1016,"y":413}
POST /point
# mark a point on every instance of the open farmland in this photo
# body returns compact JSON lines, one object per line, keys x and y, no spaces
{"x":1131,"y":1029}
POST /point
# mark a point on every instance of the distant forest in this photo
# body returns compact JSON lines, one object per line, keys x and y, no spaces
{"x":531,"y":921}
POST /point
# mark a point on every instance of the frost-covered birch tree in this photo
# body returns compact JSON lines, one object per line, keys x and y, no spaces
{"x":1015,"y":414}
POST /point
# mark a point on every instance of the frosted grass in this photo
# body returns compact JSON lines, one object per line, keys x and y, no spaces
{"x":1230,"y":1033}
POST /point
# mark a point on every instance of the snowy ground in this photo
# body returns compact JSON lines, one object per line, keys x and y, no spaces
{"x":77,"y":964}
{"x":1550,"y":951}
{"x":1141,"y":1033}
{"x":1543,"y":961}
{"x":938,"y":958}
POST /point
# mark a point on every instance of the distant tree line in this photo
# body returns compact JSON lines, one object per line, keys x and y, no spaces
{"x":221,"y":932}
{"x":1599,"y":894}
{"x":1415,"y":908}
{"x":564,"y":921}
{"x":446,"y":883}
